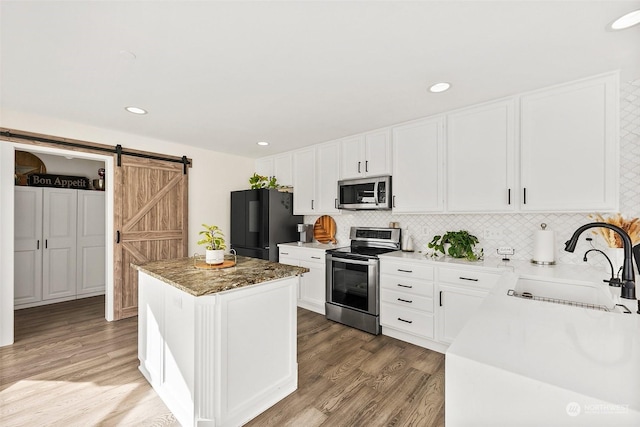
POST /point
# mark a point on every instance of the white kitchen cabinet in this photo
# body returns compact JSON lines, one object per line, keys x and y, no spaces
{"x":316,"y":180}
{"x":366,"y":155}
{"x":59,"y":245}
{"x":91,"y":244}
{"x":327,"y":176}
{"x":312,"y":286}
{"x":569,"y":146}
{"x":481,"y":162}
{"x":304,"y":182}
{"x":460,"y":293}
{"x":406,"y":302}
{"x":279,"y":165}
{"x":28,"y":245}
{"x":418,"y":169}
{"x":264,"y":166}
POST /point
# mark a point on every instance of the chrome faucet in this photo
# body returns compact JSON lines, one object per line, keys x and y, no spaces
{"x":628,"y":277}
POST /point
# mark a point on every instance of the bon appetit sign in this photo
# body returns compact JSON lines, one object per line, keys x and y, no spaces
{"x":58,"y":181}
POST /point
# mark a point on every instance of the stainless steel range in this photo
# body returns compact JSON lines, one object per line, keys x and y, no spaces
{"x":353,"y":277}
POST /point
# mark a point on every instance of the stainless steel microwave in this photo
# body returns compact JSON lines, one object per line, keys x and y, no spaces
{"x":365,"y":193}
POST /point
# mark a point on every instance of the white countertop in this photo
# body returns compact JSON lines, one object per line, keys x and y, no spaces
{"x":593,"y":353}
{"x":312,"y":245}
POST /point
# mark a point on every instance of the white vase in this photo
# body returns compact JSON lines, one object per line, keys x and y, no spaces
{"x":215,"y":256}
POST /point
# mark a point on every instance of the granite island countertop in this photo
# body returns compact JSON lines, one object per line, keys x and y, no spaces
{"x":181,"y":273}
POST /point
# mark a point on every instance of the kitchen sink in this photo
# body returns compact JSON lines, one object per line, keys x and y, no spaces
{"x":585,"y":295}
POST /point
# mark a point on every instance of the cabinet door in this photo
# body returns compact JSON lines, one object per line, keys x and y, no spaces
{"x":265,"y":166}
{"x":91,"y":272}
{"x":417,"y":184}
{"x":283,"y":169}
{"x":352,"y":158}
{"x":304,"y":171}
{"x":377,"y":153}
{"x":480,"y":159}
{"x":59,"y":230}
{"x":28,"y":245}
{"x":312,"y":294}
{"x":328,"y":170}
{"x":569,"y":147}
{"x":456,"y":306}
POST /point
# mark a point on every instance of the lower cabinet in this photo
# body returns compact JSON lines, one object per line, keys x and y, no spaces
{"x":427,"y":305}
{"x":312,"y":287}
{"x":406,"y":302}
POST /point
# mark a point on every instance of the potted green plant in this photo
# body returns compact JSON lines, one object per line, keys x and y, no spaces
{"x":457,"y":244}
{"x":214,"y":244}
{"x":258,"y":181}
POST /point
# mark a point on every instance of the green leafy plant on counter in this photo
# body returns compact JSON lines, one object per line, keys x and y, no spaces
{"x":259,"y":181}
{"x":212,"y":238}
{"x":462,"y":245}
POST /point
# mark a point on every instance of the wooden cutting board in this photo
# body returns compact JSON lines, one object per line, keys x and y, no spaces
{"x":324,"y":230}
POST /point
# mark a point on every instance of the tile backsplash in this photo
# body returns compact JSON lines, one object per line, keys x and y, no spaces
{"x":516,"y":230}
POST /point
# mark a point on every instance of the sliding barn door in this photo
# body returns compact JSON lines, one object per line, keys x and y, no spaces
{"x":150,"y":222}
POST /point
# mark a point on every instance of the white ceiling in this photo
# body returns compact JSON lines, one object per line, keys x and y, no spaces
{"x":224,"y":75}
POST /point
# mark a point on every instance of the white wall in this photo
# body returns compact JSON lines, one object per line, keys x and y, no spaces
{"x":6,"y":245}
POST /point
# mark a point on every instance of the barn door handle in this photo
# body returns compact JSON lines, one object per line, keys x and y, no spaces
{"x":46,"y":243}
{"x":118,"y":236}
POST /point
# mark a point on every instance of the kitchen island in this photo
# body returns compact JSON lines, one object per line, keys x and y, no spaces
{"x":218,"y":346}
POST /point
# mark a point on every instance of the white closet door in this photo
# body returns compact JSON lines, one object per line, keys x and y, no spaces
{"x":28,"y":245}
{"x":59,"y":232}
{"x":91,"y":271}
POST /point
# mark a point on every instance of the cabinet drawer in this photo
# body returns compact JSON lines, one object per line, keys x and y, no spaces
{"x":407,"y":284}
{"x":468,"y":278}
{"x":318,"y":257}
{"x":416,"y":270}
{"x":404,"y":299}
{"x":412,"y":321}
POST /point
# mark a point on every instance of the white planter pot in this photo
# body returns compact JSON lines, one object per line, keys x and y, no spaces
{"x":215,"y":256}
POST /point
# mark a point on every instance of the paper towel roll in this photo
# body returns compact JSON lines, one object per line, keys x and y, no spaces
{"x":544,"y":246}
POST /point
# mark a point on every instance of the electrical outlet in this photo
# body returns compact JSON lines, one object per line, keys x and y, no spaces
{"x":492,"y":233}
{"x":505,"y":250}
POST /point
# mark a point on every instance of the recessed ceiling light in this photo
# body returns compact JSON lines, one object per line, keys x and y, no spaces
{"x":263,"y":143}
{"x":136,"y":110}
{"x":440,"y":87}
{"x":628,"y":20}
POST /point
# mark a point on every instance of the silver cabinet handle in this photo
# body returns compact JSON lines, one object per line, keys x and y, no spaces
{"x":284,"y":253}
{"x":359,"y":167}
{"x":335,"y":203}
{"x":316,"y":257}
{"x":366,"y":166}
{"x":394,"y":201}
{"x":311,"y":204}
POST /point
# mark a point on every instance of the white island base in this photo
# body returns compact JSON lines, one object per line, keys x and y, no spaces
{"x":219,"y":359}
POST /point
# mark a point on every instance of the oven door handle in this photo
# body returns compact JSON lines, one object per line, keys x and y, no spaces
{"x":348,"y":260}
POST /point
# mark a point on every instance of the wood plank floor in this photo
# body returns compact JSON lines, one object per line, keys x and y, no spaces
{"x":70,"y":367}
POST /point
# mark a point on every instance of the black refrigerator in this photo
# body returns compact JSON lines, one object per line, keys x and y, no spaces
{"x":260,"y":219}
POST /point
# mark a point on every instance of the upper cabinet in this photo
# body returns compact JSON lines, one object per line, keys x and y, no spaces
{"x":417,"y":182}
{"x":279,"y":165}
{"x":315,"y":182}
{"x":304,"y":181}
{"x":569,"y":146}
{"x":481,"y":158}
{"x":366,"y":155}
